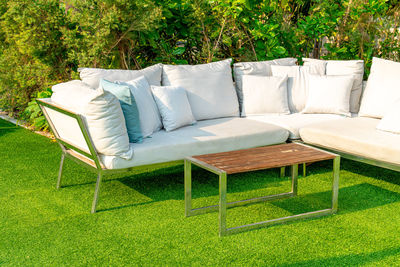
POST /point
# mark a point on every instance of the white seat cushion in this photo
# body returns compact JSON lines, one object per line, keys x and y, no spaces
{"x":92,"y":76}
{"x":293,"y":122}
{"x":209,"y":87}
{"x":357,"y":136}
{"x":209,"y":136}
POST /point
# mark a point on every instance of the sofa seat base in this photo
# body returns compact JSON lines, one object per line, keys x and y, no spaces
{"x":295,"y":121}
{"x":357,"y":137}
{"x":208,"y":136}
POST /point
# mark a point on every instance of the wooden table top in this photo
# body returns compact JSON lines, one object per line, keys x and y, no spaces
{"x":261,"y":158}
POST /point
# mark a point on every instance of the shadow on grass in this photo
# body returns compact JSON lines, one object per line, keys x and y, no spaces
{"x":351,"y":199}
{"x":371,"y":171}
{"x":350,"y":260}
{"x":168,"y":184}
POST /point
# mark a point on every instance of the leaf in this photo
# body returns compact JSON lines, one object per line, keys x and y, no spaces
{"x":178,"y":51}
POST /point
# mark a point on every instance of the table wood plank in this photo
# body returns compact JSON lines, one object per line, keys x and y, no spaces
{"x":267,"y":157}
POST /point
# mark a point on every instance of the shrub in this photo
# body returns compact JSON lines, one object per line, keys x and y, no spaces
{"x":44,"y":42}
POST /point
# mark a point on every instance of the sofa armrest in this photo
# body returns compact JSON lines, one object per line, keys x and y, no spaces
{"x":69,"y":130}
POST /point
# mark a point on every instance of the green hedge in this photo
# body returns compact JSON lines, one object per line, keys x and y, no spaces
{"x":43,"y":42}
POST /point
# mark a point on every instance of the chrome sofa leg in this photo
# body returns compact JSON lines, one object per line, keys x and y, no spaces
{"x":96,"y":192}
{"x":60,"y":171}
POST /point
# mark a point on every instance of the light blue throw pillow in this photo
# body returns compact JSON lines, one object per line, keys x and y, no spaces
{"x":129,"y":108}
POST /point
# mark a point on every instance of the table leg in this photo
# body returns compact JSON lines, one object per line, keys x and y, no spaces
{"x":222,"y":204}
{"x":295,"y":174}
{"x":188,"y":187}
{"x":335,"y":187}
{"x":283,"y":172}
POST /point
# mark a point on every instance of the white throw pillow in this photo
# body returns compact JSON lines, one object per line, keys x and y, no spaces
{"x":102,"y":114}
{"x":209,"y":88}
{"x":92,"y":76}
{"x":329,"y":94}
{"x":260,"y":68}
{"x":297,"y":84}
{"x":343,"y":67}
{"x":173,"y":103}
{"x":383,"y":88}
{"x":149,"y":116}
{"x":391,"y":121}
{"x":264,"y":94}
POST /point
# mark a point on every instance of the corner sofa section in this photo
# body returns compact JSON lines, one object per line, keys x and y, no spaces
{"x":374,"y":136}
{"x":357,"y":139}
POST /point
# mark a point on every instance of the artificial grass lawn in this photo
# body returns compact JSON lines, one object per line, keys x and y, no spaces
{"x":141,"y":215}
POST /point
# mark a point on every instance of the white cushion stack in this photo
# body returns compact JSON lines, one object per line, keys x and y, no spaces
{"x":259,"y":68}
{"x":297,"y":84}
{"x":343,"y":67}
{"x":149,"y":115}
{"x":209,"y":88}
{"x":102,"y":114}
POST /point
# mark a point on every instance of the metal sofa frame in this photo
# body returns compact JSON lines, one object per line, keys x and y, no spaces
{"x":89,"y":160}
{"x":366,"y":160}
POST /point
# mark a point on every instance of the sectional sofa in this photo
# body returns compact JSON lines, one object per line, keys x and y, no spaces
{"x":116,"y":120}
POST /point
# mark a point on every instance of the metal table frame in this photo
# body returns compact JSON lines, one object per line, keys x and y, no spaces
{"x":224,"y":205}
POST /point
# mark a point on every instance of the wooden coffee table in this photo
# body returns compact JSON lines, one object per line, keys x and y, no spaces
{"x":254,"y":159}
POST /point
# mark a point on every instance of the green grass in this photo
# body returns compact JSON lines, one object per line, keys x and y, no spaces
{"x":141,"y":215}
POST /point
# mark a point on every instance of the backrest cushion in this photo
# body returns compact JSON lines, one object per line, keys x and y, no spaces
{"x":129,"y":108}
{"x":329,"y":94}
{"x":261,"y":68}
{"x":173,"y":104}
{"x":344,"y":67}
{"x":297,"y":83}
{"x":150,"y":119}
{"x":92,"y":76}
{"x":102,"y":114}
{"x":209,"y":87}
{"x":264,"y":94}
{"x":383,"y":88}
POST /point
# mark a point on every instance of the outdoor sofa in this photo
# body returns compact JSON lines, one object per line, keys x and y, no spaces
{"x":117,"y":120}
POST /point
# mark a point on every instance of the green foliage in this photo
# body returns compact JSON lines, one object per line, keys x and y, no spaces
{"x":44,"y":42}
{"x":32,"y":52}
{"x":34,"y":114}
{"x":107,"y":33}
